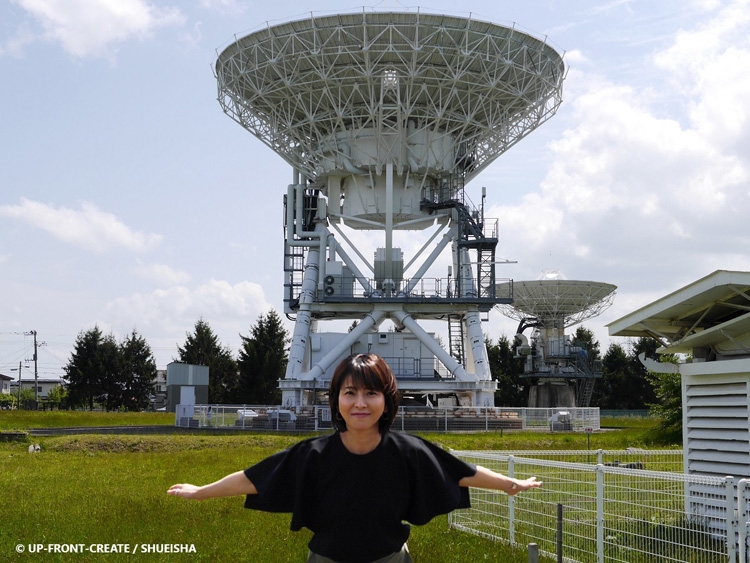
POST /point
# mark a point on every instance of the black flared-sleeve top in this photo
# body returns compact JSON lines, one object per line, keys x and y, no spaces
{"x":356,"y":505}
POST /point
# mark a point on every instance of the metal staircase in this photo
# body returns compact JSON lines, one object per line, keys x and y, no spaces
{"x":584,"y":390}
{"x":588,"y":373}
{"x":456,"y":338}
{"x":482,"y":238}
{"x":473,"y":233}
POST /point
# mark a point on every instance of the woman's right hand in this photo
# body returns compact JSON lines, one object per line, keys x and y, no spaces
{"x":184,"y":490}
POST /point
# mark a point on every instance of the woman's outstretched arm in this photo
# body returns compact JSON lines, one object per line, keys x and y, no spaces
{"x":487,"y":479}
{"x":231,"y":485}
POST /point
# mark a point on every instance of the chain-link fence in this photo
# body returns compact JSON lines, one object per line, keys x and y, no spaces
{"x":610,"y":513}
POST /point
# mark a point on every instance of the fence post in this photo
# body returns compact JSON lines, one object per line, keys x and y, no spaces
{"x":600,"y":512}
{"x":731,"y":518}
{"x":511,"y":503}
{"x":560,"y":533}
{"x":742,"y":486}
{"x":533,"y":553}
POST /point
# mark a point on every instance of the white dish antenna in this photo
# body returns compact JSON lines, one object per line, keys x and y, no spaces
{"x":556,"y":300}
{"x":351,"y":92}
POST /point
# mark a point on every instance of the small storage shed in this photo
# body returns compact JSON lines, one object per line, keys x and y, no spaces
{"x":710,"y":321}
{"x":187,"y":384}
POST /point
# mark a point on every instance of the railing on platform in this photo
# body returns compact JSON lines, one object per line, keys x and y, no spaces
{"x":439,"y":419}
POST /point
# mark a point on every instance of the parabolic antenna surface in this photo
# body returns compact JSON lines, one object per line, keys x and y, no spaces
{"x":428,"y":93}
{"x":567,"y":302}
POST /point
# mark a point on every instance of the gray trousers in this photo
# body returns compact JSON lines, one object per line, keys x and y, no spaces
{"x":398,"y":557}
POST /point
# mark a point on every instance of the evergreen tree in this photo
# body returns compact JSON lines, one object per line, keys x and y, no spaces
{"x":625,"y":381}
{"x":204,"y":349}
{"x":110,"y":395}
{"x":114,"y":376}
{"x":85,"y":367}
{"x":512,"y":390}
{"x":137,"y":372}
{"x":614,"y":389}
{"x":642,"y":383}
{"x":262,"y":361}
{"x":584,"y":338}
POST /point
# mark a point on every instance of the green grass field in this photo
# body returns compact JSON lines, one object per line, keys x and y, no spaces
{"x":109,"y":491}
{"x":23,"y":420}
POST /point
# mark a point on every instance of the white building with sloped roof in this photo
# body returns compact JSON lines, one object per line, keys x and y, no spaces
{"x":708,"y":320}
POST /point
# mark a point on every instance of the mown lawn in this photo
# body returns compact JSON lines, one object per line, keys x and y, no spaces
{"x":22,"y":419}
{"x":111,"y":489}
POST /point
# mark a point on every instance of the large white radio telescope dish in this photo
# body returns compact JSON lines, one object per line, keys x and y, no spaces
{"x":425,"y":92}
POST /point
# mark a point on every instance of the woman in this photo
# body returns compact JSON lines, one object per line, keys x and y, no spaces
{"x":355,"y":488}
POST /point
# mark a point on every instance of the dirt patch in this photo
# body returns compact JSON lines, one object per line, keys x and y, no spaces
{"x":93,"y":443}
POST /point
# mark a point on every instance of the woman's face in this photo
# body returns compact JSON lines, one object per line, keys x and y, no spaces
{"x":361,"y":408}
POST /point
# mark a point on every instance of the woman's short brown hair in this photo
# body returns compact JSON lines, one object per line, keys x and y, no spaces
{"x":371,"y":372}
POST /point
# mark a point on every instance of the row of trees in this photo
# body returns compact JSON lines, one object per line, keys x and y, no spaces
{"x":121,"y":375}
{"x":104,"y":372}
{"x":251,"y":378}
{"x":625,"y":382}
{"x":13,"y":400}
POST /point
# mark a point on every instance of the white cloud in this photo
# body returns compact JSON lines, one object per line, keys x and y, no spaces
{"x":89,"y":28}
{"x":535,"y":221}
{"x":712,"y":65}
{"x":88,"y":228}
{"x":575,"y":56}
{"x":194,"y":36}
{"x":620,"y":156}
{"x":229,"y":309}
{"x":638,"y":188}
{"x":692,"y":49}
{"x":163,"y":274}
{"x":229,"y":7}
{"x":215,"y":298}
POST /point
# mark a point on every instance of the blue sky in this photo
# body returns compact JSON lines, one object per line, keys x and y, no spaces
{"x":128,"y":200}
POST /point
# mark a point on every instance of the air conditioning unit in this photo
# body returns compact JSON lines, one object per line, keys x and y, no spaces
{"x":338,"y":280}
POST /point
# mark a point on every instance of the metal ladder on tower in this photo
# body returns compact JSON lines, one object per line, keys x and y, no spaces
{"x":456,"y":337}
{"x":294,"y":270}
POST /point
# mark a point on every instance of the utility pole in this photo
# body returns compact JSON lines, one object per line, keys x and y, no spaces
{"x":36,"y":370}
{"x":19,"y":385}
{"x":36,"y":375}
